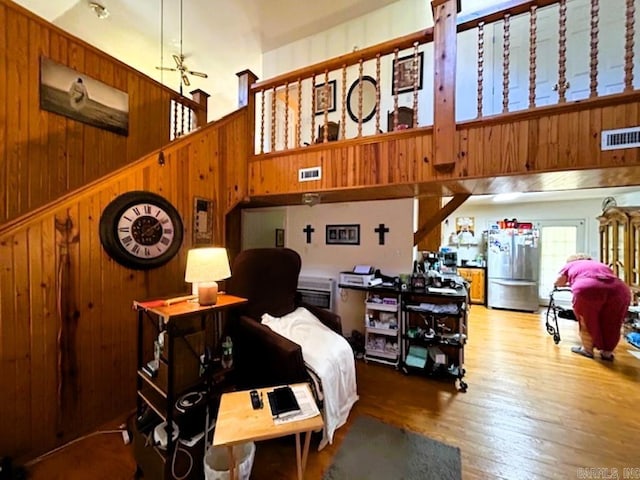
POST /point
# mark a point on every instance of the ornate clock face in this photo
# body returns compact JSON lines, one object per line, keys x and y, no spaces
{"x":141,"y":230}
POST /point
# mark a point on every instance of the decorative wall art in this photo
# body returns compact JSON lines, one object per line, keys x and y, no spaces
{"x":279,"y":237}
{"x":325,"y":98}
{"x":69,"y":93}
{"x":404,"y":80}
{"x":343,"y":235}
{"x":203,"y":216}
{"x":369,"y":90}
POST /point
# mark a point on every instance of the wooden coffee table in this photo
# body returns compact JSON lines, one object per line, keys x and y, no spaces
{"x":238,"y":422}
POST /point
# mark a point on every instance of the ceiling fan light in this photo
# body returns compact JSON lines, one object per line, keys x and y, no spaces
{"x":100,"y":10}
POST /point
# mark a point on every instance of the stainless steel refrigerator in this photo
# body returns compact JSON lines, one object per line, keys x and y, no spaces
{"x":513,"y":266}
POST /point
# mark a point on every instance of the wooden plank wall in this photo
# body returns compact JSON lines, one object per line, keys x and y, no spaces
{"x":44,"y":155}
{"x":556,"y":138}
{"x":102,"y":291}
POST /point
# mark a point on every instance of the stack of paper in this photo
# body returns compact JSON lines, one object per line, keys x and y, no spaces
{"x":308,"y":407}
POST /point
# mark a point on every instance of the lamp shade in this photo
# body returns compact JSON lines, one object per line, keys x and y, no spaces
{"x":204,"y":267}
{"x":207,"y":265}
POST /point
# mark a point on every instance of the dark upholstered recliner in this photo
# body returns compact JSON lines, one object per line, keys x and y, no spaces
{"x":268,"y":278}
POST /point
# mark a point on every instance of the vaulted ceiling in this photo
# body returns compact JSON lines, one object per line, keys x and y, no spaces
{"x":218,"y":37}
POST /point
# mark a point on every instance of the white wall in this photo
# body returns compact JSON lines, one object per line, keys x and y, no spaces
{"x":259,"y":226}
{"x":320,"y":259}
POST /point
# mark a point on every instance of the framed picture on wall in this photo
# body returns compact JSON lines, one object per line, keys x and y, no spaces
{"x":279,"y":237}
{"x":203,"y":216}
{"x":325,"y":97}
{"x":343,"y":234}
{"x":73,"y":94}
{"x":404,"y":68}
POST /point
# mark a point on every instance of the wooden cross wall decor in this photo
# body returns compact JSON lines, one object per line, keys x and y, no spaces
{"x":308,"y":230}
{"x":381,"y":230}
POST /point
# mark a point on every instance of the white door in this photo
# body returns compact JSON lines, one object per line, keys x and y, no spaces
{"x":558,"y":240}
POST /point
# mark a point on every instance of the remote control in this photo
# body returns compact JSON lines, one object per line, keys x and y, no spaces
{"x":256,"y":403}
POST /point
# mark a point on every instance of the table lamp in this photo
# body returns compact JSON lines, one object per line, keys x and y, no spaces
{"x":205,"y":266}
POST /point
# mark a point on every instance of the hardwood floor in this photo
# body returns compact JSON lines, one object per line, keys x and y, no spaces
{"x":533,"y":410}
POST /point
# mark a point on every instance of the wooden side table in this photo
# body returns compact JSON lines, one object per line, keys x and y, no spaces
{"x":238,"y":422}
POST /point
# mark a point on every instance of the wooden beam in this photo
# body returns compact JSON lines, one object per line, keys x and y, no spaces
{"x":445,"y":50}
{"x":439,"y":216}
{"x":426,"y":206}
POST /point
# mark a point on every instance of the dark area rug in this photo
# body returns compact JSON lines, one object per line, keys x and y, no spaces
{"x":373,"y":450}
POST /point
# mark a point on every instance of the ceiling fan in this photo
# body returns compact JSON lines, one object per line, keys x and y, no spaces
{"x":179,"y":59}
{"x":182,"y":68}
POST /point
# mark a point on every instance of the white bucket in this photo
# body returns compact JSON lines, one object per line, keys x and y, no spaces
{"x":216,"y":461}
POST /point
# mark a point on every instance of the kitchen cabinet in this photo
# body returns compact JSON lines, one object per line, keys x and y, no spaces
{"x":620,"y":243}
{"x":477,"y":283}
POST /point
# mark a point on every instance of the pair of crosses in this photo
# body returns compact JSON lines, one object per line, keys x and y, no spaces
{"x":381,"y":231}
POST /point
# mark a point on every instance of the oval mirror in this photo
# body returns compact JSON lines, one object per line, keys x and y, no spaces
{"x":368,"y":99}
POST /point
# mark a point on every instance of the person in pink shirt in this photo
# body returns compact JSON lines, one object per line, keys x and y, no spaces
{"x":600,"y":301}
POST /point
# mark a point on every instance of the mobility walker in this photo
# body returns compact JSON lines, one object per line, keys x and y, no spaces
{"x":554,"y":311}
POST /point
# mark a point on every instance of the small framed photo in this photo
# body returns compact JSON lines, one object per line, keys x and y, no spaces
{"x":279,"y":237}
{"x":325,"y":97}
{"x":405,"y":68}
{"x":343,"y":235}
{"x":203,"y":218}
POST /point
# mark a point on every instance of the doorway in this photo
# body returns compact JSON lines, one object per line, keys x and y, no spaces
{"x":558,"y":240}
{"x":263,"y":228}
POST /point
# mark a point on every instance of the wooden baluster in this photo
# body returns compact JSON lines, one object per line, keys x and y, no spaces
{"x":628,"y":45}
{"x":360,"y":71}
{"x":325,"y":130}
{"x":262,"y":95}
{"x":506,"y":50}
{"x":313,"y":108}
{"x":377,"y":93}
{"x":562,"y":52}
{"x":286,"y":116}
{"x":416,"y":83}
{"x":533,"y":55}
{"x":395,"y":89}
{"x":273,"y":119}
{"x":343,"y":102}
{"x":189,"y":119}
{"x":593,"y":65}
{"x":299,"y":123}
{"x":182,"y":108}
{"x":175,"y":119}
{"x":480,"y":68}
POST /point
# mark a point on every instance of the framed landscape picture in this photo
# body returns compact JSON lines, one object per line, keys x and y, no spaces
{"x":66,"y":92}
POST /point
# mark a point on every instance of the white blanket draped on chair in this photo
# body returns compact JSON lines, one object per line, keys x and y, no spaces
{"x":329,"y":356}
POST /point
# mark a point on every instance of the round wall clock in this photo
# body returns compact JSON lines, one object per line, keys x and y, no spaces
{"x":141,"y":230}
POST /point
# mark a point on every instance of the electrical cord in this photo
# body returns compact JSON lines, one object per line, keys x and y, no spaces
{"x":120,"y":430}
{"x":173,"y":461}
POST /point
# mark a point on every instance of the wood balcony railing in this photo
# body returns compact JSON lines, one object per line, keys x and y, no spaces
{"x":187,"y":114}
{"x":543,"y":52}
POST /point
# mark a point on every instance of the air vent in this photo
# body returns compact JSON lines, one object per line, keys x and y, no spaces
{"x":309,"y":174}
{"x":621,"y":138}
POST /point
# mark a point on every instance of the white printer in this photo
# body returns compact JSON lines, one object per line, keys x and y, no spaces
{"x":361,"y":276}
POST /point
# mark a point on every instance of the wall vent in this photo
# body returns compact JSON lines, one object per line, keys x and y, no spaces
{"x":621,"y":138}
{"x":309,"y":174}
